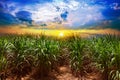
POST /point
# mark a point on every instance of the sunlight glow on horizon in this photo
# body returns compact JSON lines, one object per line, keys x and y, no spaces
{"x":56,"y":32}
{"x":61,"y":34}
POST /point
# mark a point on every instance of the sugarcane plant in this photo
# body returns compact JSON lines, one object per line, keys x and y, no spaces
{"x":103,"y":51}
{"x":115,"y":71}
{"x":46,"y":52}
{"x":76,"y":46}
{"x":5,"y":50}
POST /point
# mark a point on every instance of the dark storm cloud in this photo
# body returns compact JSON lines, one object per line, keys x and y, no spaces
{"x":6,"y":19}
{"x":24,"y":16}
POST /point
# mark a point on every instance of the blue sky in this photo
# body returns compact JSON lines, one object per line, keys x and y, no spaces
{"x":69,"y":13}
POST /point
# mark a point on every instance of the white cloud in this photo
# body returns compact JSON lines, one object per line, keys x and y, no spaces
{"x":47,"y":12}
{"x":44,"y":13}
{"x":73,"y":5}
{"x":80,"y":13}
{"x":85,"y":15}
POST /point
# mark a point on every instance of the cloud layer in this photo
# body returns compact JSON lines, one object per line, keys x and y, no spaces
{"x":69,"y":13}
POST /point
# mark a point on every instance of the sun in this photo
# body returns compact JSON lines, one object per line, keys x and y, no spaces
{"x":61,"y":34}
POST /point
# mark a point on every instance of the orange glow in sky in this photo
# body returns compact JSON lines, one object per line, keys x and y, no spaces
{"x":55,"y":32}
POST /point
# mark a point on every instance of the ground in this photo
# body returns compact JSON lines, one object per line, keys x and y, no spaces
{"x":65,"y":73}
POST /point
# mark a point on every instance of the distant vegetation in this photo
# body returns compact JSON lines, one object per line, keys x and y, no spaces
{"x":40,"y":55}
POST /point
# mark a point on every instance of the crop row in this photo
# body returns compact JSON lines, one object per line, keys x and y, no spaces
{"x":19,"y":55}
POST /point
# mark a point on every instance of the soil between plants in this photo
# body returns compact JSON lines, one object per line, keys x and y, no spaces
{"x":64,"y":73}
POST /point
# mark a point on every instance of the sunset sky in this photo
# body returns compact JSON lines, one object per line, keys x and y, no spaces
{"x":61,"y":13}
